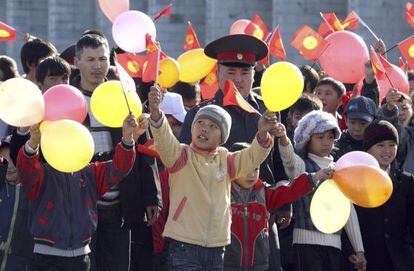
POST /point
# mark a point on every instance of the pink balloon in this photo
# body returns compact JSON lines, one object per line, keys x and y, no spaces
{"x":113,"y":8}
{"x":398,"y":78}
{"x":345,"y":58}
{"x":356,"y":158}
{"x":65,"y":102}
{"x":129,"y":31}
{"x":238,"y":26}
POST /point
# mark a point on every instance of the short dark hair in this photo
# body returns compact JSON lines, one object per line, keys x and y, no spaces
{"x":34,"y":50}
{"x":310,"y":75}
{"x":8,"y":67}
{"x":306,"y":103}
{"x":52,"y":66}
{"x":188,"y":91}
{"x":90,"y":41}
{"x":337,"y":86}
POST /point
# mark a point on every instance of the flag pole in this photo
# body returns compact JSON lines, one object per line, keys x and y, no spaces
{"x":329,"y":25}
{"x":368,"y":28}
{"x":123,"y":87}
{"x":158,"y":65}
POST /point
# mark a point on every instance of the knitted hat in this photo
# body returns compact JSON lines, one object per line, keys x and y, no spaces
{"x":217,"y":115}
{"x":379,"y":131}
{"x":313,"y":123}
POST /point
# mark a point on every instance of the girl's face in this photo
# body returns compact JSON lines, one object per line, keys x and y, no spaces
{"x":321,"y":144}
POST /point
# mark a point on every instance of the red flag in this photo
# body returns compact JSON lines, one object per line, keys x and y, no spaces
{"x":257,"y":28}
{"x":276,"y":47}
{"x":324,"y":29}
{"x":149,"y":72}
{"x":210,"y":85}
{"x":377,"y":65}
{"x":351,"y":21}
{"x":261,"y":24}
{"x":332,"y":21}
{"x":151,"y":46}
{"x":191,"y":40}
{"x":165,"y":12}
{"x":148,"y":149}
{"x":309,"y":43}
{"x":133,"y":64}
{"x":7,"y":32}
{"x":233,"y":97}
{"x":403,"y":65}
{"x":406,"y":48}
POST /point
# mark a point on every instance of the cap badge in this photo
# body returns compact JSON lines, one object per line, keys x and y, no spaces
{"x":239,"y":56}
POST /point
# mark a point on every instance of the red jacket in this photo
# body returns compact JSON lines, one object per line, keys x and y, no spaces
{"x":249,"y":248}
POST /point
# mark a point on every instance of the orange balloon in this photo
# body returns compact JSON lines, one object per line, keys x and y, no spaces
{"x":366,"y":186}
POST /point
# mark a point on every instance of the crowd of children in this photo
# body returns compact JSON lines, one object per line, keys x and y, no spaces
{"x":204,"y":185}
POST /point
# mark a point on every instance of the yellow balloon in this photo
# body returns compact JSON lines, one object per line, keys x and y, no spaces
{"x":281,"y":86}
{"x":169,"y":72}
{"x":195,"y":65}
{"x":108,"y":104}
{"x":329,"y":208}
{"x":67,"y":145}
{"x":21,"y":102}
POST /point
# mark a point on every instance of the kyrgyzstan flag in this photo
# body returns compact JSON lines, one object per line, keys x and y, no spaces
{"x":332,"y":21}
{"x":257,"y":28}
{"x":233,"y":97}
{"x":351,"y":21}
{"x":151,"y":66}
{"x":191,"y":40}
{"x":309,"y":43}
{"x":7,"y":32}
{"x":377,"y":64}
{"x":151,"y":46}
{"x":406,"y":48}
{"x":128,"y":84}
{"x":276,"y":47}
{"x":210,"y":85}
{"x":409,"y":13}
{"x":165,"y":12}
{"x":403,"y":65}
{"x":133,"y":64}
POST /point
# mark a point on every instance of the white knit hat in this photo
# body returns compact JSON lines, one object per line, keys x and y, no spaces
{"x":314,"y":122}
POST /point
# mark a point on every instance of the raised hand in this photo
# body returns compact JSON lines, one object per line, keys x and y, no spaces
{"x":128,"y":127}
{"x":142,"y":127}
{"x":154,"y":99}
{"x":35,"y":136}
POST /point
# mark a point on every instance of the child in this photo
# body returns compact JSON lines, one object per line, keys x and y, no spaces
{"x":314,"y":138}
{"x":252,"y":201}
{"x":51,"y":72}
{"x":173,"y":108}
{"x":359,"y":112}
{"x":330,"y":91}
{"x":405,"y":111}
{"x":311,"y":78}
{"x":198,"y":226}
{"x":190,"y":92}
{"x":384,"y":229}
{"x":304,"y":105}
{"x":63,"y":205}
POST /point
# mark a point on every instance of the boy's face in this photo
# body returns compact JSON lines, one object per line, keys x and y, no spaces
{"x":250,"y":180}
{"x":242,"y":77}
{"x":175,"y":125}
{"x":53,"y":80}
{"x":93,"y":64}
{"x":205,"y":134}
{"x":356,"y":128}
{"x":385,"y":152}
{"x":321,"y":144}
{"x":329,"y":98}
{"x":11,"y":174}
{"x":405,"y":112}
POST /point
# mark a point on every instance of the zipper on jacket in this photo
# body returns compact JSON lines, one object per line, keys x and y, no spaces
{"x":70,"y":214}
{"x":246,"y":232}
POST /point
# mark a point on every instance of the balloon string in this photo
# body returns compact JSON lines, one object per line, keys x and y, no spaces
{"x":122,"y":85}
{"x":368,"y":28}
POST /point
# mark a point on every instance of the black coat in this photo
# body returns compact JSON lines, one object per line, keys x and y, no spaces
{"x":386,"y":229}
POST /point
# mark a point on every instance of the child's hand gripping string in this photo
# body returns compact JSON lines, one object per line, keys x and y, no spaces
{"x":128,"y":127}
{"x":35,"y":136}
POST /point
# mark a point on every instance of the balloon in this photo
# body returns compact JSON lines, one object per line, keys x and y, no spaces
{"x":21,"y":102}
{"x":129,"y":31}
{"x":281,"y":86}
{"x":169,"y":72}
{"x":345,"y":57}
{"x":67,"y":145}
{"x":195,"y":65}
{"x":65,"y":102}
{"x":108,"y":104}
{"x":398,"y":78}
{"x":366,"y":186}
{"x":113,"y":8}
{"x":329,"y":208}
{"x":238,"y":26}
{"x":355,"y":158}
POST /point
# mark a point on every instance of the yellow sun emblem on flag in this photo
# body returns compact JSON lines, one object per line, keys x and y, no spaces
{"x":411,"y":51}
{"x":4,"y":33}
{"x":151,"y":48}
{"x":258,"y":33}
{"x":189,"y":39}
{"x":310,"y":43}
{"x":144,"y":66}
{"x":133,"y":66}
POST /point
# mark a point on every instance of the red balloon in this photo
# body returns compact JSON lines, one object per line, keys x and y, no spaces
{"x":65,"y":102}
{"x":238,"y":26}
{"x":398,"y":79}
{"x":345,"y":57}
